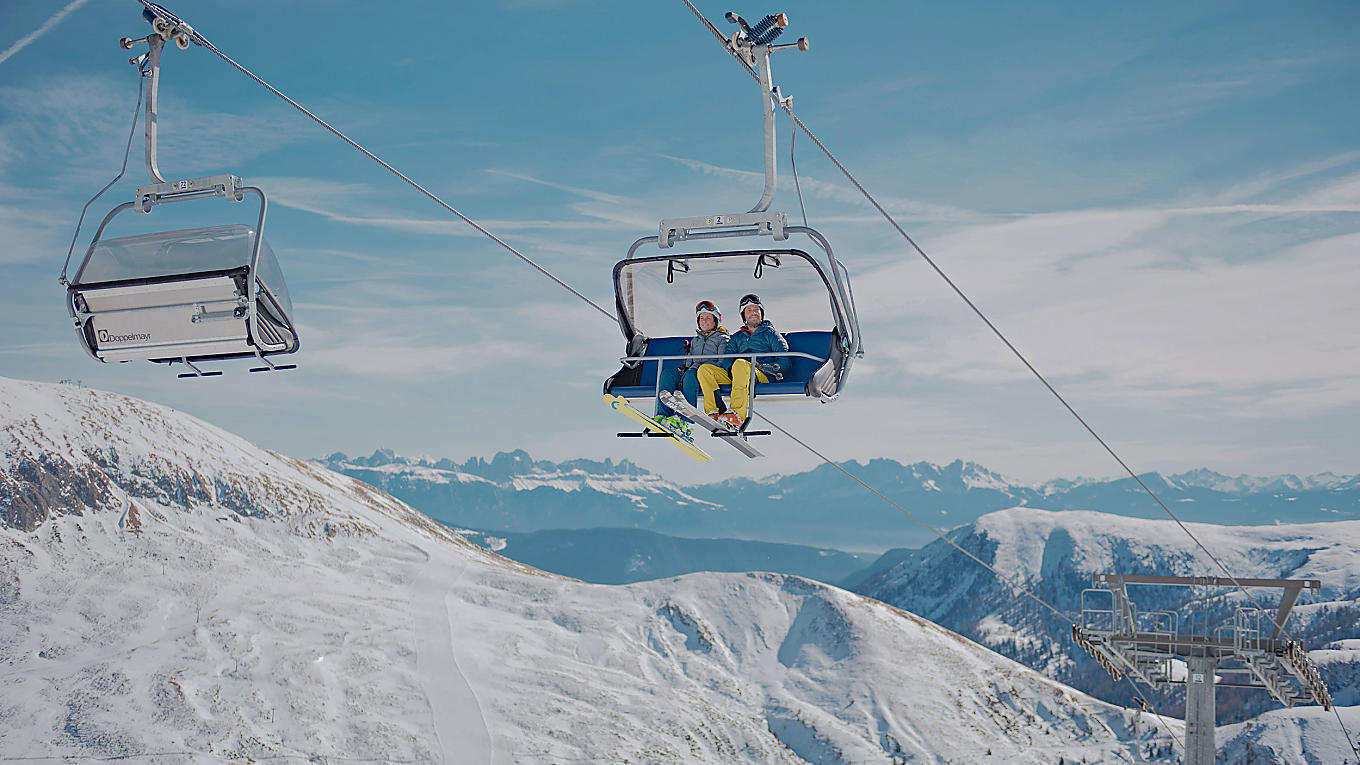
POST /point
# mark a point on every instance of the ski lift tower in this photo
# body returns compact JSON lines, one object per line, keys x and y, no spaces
{"x":1250,"y":651}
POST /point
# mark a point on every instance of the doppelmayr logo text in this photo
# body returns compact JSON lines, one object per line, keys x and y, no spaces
{"x":108,"y":337}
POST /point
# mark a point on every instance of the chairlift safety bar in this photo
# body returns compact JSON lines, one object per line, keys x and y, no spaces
{"x":752,"y":356}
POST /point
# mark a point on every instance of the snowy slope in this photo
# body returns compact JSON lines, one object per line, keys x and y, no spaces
{"x":1304,"y":736}
{"x":206,"y":598}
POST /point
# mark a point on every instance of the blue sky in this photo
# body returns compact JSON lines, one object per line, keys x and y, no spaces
{"x":1158,"y":202}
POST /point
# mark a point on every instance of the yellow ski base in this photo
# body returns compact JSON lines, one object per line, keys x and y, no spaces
{"x":621,"y":405}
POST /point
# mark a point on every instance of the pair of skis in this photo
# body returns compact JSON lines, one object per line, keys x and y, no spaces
{"x":679,"y":405}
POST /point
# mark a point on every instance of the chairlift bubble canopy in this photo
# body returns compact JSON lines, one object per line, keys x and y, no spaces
{"x":808,"y":299}
{"x":194,"y":294}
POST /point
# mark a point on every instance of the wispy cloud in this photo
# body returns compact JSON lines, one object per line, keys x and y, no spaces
{"x":1153,"y":330}
{"x":907,"y":208}
{"x":334,"y":201}
{"x":43,"y":29}
{"x":76,"y":128}
{"x":598,"y":196}
{"x":1247,"y":190}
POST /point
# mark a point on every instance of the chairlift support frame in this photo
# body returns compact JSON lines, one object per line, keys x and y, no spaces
{"x":752,"y":45}
{"x":1123,"y":640}
{"x":167,"y":27}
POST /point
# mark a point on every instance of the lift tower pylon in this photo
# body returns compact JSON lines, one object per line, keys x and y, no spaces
{"x":1250,"y":651}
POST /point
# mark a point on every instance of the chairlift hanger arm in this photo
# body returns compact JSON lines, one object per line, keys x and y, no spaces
{"x":167,"y":27}
{"x":751,"y":45}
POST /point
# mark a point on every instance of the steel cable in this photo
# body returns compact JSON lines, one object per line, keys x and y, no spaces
{"x":201,"y":40}
{"x":995,"y":330}
{"x":1000,"y":335}
{"x":198,"y":38}
{"x":127,"y":152}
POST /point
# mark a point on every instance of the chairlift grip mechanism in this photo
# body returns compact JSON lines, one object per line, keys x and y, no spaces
{"x":674,"y":230}
{"x":225,"y":185}
{"x":752,"y":45}
{"x":167,"y":27}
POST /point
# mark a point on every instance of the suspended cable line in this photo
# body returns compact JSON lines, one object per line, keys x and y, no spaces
{"x":981,"y":315}
{"x":788,"y":108}
{"x":793,"y":164}
{"x":136,"y":111}
{"x":201,"y":40}
{"x":198,"y":37}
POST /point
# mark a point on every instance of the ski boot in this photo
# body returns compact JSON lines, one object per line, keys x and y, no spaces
{"x":679,"y":425}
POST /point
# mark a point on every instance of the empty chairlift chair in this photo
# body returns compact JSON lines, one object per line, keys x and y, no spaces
{"x":191,"y":295}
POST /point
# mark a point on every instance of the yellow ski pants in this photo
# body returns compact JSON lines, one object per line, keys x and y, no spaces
{"x":711,"y":376}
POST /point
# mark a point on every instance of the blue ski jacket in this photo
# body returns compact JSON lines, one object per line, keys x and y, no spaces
{"x":703,"y":346}
{"x":763,"y":340}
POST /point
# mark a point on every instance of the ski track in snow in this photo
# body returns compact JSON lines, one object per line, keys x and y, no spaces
{"x":446,"y":685}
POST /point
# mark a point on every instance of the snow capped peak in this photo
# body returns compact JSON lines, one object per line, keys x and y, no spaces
{"x":1096,"y":542}
{"x":500,"y":468}
{"x":72,"y":450}
{"x":1245,"y":484}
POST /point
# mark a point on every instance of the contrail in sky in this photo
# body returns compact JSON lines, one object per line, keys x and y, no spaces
{"x":40,"y":31}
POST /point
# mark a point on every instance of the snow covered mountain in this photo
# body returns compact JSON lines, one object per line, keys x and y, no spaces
{"x":513,"y":492}
{"x":169,"y":590}
{"x":1056,"y":553}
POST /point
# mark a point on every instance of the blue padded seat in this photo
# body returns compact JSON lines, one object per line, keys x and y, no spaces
{"x":794,"y":383}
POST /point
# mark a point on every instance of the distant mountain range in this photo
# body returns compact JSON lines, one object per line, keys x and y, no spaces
{"x":819,"y":507}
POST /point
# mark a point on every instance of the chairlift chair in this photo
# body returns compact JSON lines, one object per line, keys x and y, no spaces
{"x":191,"y":295}
{"x":806,"y":292}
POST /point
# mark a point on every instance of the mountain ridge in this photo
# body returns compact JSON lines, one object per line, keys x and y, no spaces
{"x":513,"y":492}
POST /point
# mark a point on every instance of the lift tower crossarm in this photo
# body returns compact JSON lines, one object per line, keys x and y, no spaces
{"x":1291,"y":587}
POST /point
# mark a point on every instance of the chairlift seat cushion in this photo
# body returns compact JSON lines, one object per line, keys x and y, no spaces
{"x":793,"y":384}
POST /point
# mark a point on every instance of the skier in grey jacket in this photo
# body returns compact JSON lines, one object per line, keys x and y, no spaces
{"x":710,"y":340}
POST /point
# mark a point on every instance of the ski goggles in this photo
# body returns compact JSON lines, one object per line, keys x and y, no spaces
{"x":706,"y":306}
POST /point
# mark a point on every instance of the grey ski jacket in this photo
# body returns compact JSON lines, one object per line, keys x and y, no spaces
{"x":702,"y":345}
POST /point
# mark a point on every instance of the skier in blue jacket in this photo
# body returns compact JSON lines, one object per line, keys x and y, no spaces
{"x":710,"y":340}
{"x":758,"y":336}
